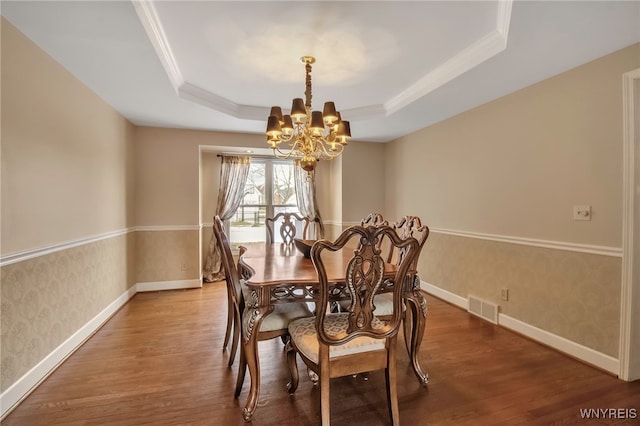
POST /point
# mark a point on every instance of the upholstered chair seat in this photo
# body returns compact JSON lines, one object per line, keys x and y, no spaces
{"x":303,"y":334}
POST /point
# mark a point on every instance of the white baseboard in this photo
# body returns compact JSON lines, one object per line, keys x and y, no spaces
{"x":27,"y":383}
{"x":168,"y":285}
{"x":576,"y":350}
{"x":445,"y":295}
{"x":23,"y":386}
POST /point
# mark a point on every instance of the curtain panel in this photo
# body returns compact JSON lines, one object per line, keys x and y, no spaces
{"x":233,"y":176}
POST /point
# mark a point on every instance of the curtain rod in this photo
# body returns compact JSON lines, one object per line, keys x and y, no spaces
{"x":241,"y":154}
{"x":272,"y":157}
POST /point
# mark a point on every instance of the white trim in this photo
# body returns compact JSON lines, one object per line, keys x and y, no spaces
{"x":149,"y":18}
{"x":583,"y":353}
{"x":42,"y":251}
{"x":473,"y":55}
{"x":558,"y":245}
{"x":588,"y":355}
{"x":628,"y":206}
{"x":445,"y":295}
{"x":168,"y":285}
{"x":28,"y":382}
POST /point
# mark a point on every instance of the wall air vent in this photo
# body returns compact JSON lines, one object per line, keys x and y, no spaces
{"x":483,"y":309}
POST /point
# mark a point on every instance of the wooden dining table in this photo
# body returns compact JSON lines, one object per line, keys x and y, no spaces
{"x":278,"y":273}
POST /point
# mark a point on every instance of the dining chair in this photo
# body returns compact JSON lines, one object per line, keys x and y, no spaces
{"x":356,"y":341}
{"x":274,"y":325}
{"x":288,"y":230}
{"x":407,"y":227}
{"x":234,"y":295}
{"x":373,"y":219}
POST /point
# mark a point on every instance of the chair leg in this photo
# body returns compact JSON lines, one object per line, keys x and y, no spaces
{"x":325,"y":381}
{"x":407,"y":328}
{"x":230,"y":309}
{"x":391,"y":379}
{"x":242,"y":370}
{"x":237,"y":323}
{"x":293,"y":368}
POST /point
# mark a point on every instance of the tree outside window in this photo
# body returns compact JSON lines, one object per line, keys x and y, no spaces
{"x":270,"y":189}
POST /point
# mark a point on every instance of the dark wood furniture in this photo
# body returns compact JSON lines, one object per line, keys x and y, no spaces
{"x":278,"y":274}
{"x":288,"y":230}
{"x":413,"y":322}
{"x":356,"y":341}
{"x":277,"y":323}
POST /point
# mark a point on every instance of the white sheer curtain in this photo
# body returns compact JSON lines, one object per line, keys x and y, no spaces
{"x":306,"y":197}
{"x":233,"y":176}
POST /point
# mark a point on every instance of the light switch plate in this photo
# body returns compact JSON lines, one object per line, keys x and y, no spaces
{"x":581,"y":212}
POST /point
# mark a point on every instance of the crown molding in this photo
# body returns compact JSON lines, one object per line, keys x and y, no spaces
{"x":470,"y":57}
{"x":151,"y":23}
{"x":475,"y":54}
{"x":205,"y":98}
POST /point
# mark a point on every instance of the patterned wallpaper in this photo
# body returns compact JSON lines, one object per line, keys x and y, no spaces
{"x":573,"y":295}
{"x":167,"y":255}
{"x":46,"y":299}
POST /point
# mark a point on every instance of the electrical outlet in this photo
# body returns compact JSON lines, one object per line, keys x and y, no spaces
{"x":504,"y":294}
{"x":581,"y":212}
{"x":184,"y":266}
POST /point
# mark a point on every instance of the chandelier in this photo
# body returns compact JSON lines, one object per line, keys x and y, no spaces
{"x":305,"y":134}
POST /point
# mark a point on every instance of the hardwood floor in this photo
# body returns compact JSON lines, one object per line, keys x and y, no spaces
{"x":159,"y":361}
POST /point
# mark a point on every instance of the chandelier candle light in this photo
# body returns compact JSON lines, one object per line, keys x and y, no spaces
{"x":305,"y":134}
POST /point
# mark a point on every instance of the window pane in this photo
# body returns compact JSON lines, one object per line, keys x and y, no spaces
{"x":284,"y":187}
{"x":247,"y":225}
{"x":270,"y":189}
{"x":254,"y":189}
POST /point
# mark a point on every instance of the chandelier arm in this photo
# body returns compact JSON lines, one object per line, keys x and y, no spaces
{"x":282,"y":155}
{"x":305,"y":134}
{"x":327,"y":152}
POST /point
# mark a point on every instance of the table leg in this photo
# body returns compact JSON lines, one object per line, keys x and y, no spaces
{"x":253,"y":317}
{"x":417,"y":305}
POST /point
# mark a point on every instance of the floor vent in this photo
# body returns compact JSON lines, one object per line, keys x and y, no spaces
{"x":483,"y":309}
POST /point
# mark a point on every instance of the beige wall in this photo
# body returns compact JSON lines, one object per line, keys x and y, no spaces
{"x":518,"y":165}
{"x":67,"y":176}
{"x":72,"y":169}
{"x":66,"y":155}
{"x":363,"y":180}
{"x":515,"y":168}
{"x":168,"y":175}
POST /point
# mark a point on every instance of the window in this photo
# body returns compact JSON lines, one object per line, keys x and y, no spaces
{"x":270,"y":189}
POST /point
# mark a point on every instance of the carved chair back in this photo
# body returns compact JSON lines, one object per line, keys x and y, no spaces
{"x":288,"y":227}
{"x":373,"y":219}
{"x":364,"y":277}
{"x":410,"y":226}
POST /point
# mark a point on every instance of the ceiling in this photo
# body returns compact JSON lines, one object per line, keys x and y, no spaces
{"x":391,"y":67}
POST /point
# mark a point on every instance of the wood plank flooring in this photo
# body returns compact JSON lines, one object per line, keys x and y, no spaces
{"x":159,"y":361}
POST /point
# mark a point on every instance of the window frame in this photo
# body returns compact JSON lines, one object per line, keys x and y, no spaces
{"x":270,"y":207}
